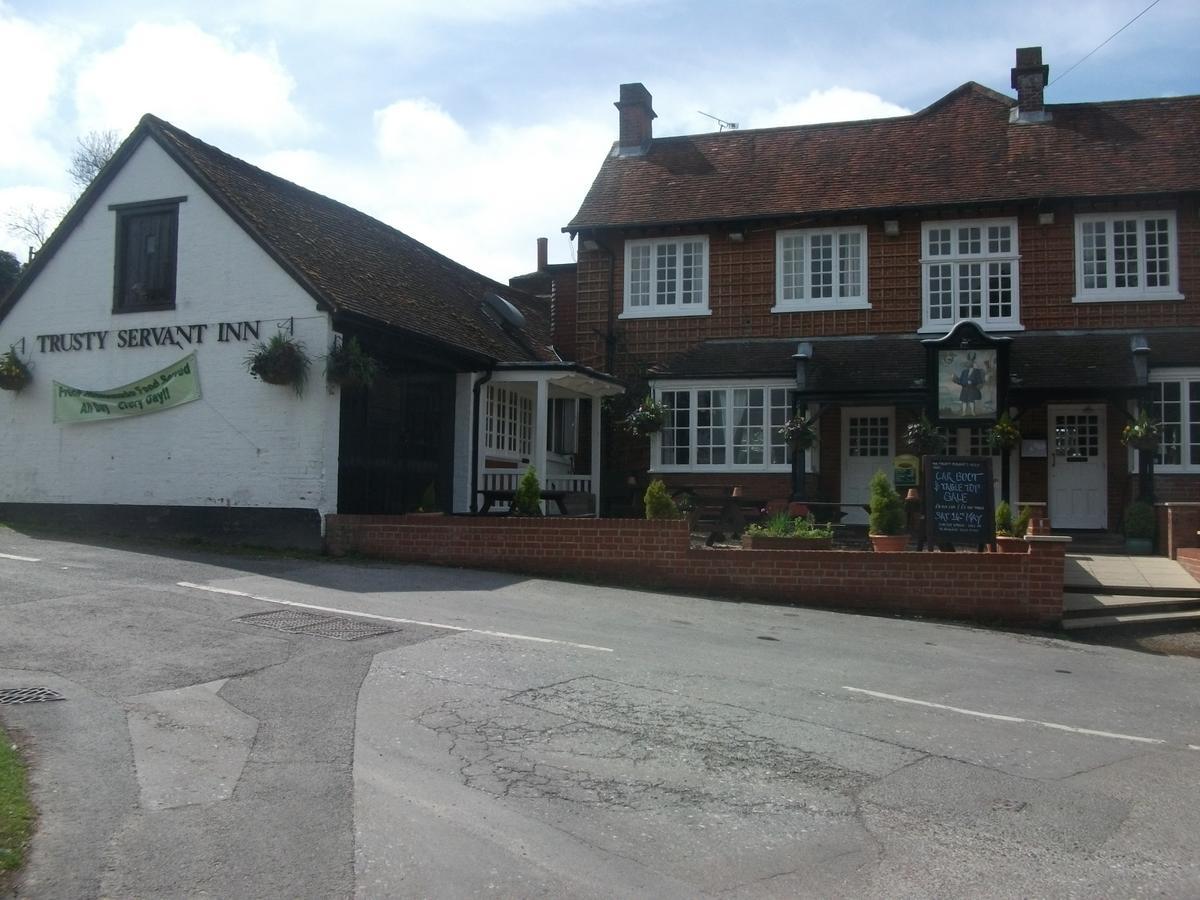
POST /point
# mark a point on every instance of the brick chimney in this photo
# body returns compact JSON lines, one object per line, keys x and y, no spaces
{"x":637,"y":117}
{"x":1029,"y":77}
{"x":543,"y":255}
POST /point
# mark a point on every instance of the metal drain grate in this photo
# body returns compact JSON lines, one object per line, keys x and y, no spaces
{"x":29,"y":695}
{"x":335,"y":627}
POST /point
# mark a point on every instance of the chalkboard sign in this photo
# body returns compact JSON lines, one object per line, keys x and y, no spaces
{"x":959,"y":505}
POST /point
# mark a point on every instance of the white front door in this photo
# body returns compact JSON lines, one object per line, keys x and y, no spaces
{"x":867,"y":436}
{"x":1078,"y":487}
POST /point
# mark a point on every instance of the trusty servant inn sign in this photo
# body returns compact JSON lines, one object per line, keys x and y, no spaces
{"x":166,"y":336}
{"x":967,"y":376}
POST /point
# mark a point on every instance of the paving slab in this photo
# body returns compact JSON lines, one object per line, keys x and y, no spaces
{"x":1113,"y":571}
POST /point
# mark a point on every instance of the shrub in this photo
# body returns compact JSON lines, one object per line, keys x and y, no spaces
{"x":348,"y":365}
{"x":783,"y":525}
{"x":887,"y":509}
{"x":1004,"y":519}
{"x":659,"y":504}
{"x":528,"y":499}
{"x":428,"y":499}
{"x":280,"y":360}
{"x":1021,"y":525}
{"x":1140,"y":521}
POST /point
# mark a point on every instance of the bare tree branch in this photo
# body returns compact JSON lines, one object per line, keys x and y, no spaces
{"x":92,"y":151}
{"x":32,"y":224}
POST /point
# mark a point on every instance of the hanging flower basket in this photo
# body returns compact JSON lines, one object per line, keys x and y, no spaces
{"x":799,"y":432}
{"x":281,"y":360}
{"x":14,"y":374}
{"x":1142,"y":433}
{"x":648,"y":418}
{"x":923,"y":438}
{"x":1004,"y":434}
{"x":349,"y":366}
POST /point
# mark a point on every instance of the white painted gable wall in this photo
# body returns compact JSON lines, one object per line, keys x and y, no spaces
{"x":244,"y":443}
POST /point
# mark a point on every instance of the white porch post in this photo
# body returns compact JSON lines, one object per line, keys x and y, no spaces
{"x":541,"y":403}
{"x":596,"y":401}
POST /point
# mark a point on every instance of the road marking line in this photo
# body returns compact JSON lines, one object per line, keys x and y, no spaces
{"x":1000,"y":718}
{"x":19,"y":558}
{"x":363,"y":615}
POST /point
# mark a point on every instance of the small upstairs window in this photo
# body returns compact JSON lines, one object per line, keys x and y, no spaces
{"x":819,"y":269}
{"x":666,"y":277}
{"x":970,"y":270}
{"x":147,"y":242}
{"x":1126,"y":256}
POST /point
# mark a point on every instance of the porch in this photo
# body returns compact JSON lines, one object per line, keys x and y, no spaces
{"x":545,"y":417}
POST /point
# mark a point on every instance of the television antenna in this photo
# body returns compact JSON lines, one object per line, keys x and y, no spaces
{"x":721,"y":123}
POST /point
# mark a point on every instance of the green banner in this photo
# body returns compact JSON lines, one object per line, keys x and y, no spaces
{"x":176,"y":384}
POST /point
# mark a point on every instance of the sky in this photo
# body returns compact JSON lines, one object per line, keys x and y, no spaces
{"x":477,"y":126}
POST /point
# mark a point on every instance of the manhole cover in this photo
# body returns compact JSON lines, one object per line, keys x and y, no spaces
{"x":29,"y":695}
{"x":336,"y":627}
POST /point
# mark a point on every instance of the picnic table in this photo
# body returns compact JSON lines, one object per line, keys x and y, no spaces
{"x":492,"y":496}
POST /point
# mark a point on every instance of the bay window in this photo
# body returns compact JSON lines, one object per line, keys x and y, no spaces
{"x":1176,"y":406}
{"x":723,"y":427}
{"x":970,"y":270}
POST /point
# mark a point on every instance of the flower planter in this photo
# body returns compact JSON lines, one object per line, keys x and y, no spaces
{"x":889,"y":543}
{"x":1139,"y":546}
{"x":767,"y":542}
{"x":1008,"y":544}
{"x":13,"y":381}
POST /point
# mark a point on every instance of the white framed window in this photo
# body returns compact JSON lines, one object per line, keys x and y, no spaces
{"x":666,"y":277}
{"x":723,"y":427}
{"x":970,"y":270}
{"x":819,"y":269}
{"x":562,"y":429}
{"x":508,"y":422}
{"x":1126,"y":256}
{"x":1176,"y":406}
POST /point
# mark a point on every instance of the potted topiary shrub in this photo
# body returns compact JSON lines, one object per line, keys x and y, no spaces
{"x":528,"y":498}
{"x":1140,"y":526}
{"x":659,"y":504}
{"x":1010,"y":532}
{"x":783,"y":532}
{"x":886,"y":529}
{"x":280,"y":360}
{"x":14,"y":373}
{"x":648,"y":418}
{"x":349,"y":366}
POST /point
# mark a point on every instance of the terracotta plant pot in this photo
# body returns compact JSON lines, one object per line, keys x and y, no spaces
{"x":889,"y":543}
{"x":1008,"y":544}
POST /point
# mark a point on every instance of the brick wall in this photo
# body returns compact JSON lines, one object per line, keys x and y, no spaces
{"x":1017,"y":588}
{"x":1189,"y":558}
{"x":1178,"y":526}
{"x":742,"y":286}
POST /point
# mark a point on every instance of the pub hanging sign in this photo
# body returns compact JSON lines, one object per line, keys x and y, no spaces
{"x":967,"y":376}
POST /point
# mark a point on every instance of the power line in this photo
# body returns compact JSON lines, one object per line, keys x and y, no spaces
{"x":1105,"y":41}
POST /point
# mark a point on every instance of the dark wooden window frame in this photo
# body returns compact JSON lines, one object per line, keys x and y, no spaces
{"x":126,"y":214}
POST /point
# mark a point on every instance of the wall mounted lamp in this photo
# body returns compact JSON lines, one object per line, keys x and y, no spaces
{"x":891,"y":227}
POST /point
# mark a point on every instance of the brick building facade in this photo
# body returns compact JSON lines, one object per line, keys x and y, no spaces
{"x":740,"y":276}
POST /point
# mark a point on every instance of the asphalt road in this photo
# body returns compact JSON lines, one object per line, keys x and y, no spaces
{"x":522,"y":738}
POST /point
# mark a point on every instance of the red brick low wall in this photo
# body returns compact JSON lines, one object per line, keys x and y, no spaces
{"x":1189,"y":558}
{"x":1024,"y":588}
{"x":1178,"y":527}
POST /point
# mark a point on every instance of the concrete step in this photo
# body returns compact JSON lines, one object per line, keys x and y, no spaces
{"x":1132,"y":619}
{"x":1127,"y":590}
{"x":1079,"y":604}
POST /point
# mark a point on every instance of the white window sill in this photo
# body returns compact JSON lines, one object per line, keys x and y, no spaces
{"x":1127,"y":298}
{"x":1176,"y":470}
{"x":984,"y":326}
{"x":720,"y":470}
{"x":818,"y":307}
{"x":663,"y":312}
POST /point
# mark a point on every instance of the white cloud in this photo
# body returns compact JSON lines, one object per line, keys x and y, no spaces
{"x":480,"y":197}
{"x":835,"y":104}
{"x":193,"y":79}
{"x":31,"y":65}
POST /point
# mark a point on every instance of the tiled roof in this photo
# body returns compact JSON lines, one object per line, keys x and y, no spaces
{"x":959,"y":150}
{"x":848,"y":366}
{"x":353,"y":265}
{"x":360,"y":265}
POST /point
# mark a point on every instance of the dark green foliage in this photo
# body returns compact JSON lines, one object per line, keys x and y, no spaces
{"x":659,"y":504}
{"x":923,"y":438}
{"x":280,"y":360}
{"x":10,"y":271}
{"x":887,"y":509}
{"x":783,"y":525}
{"x":348,"y":365}
{"x":428,"y":499}
{"x":1140,"y":520}
{"x":14,"y":373}
{"x":528,"y":500}
{"x":1004,"y":519}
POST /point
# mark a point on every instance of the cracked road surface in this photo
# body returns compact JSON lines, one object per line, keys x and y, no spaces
{"x":520,"y":737}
